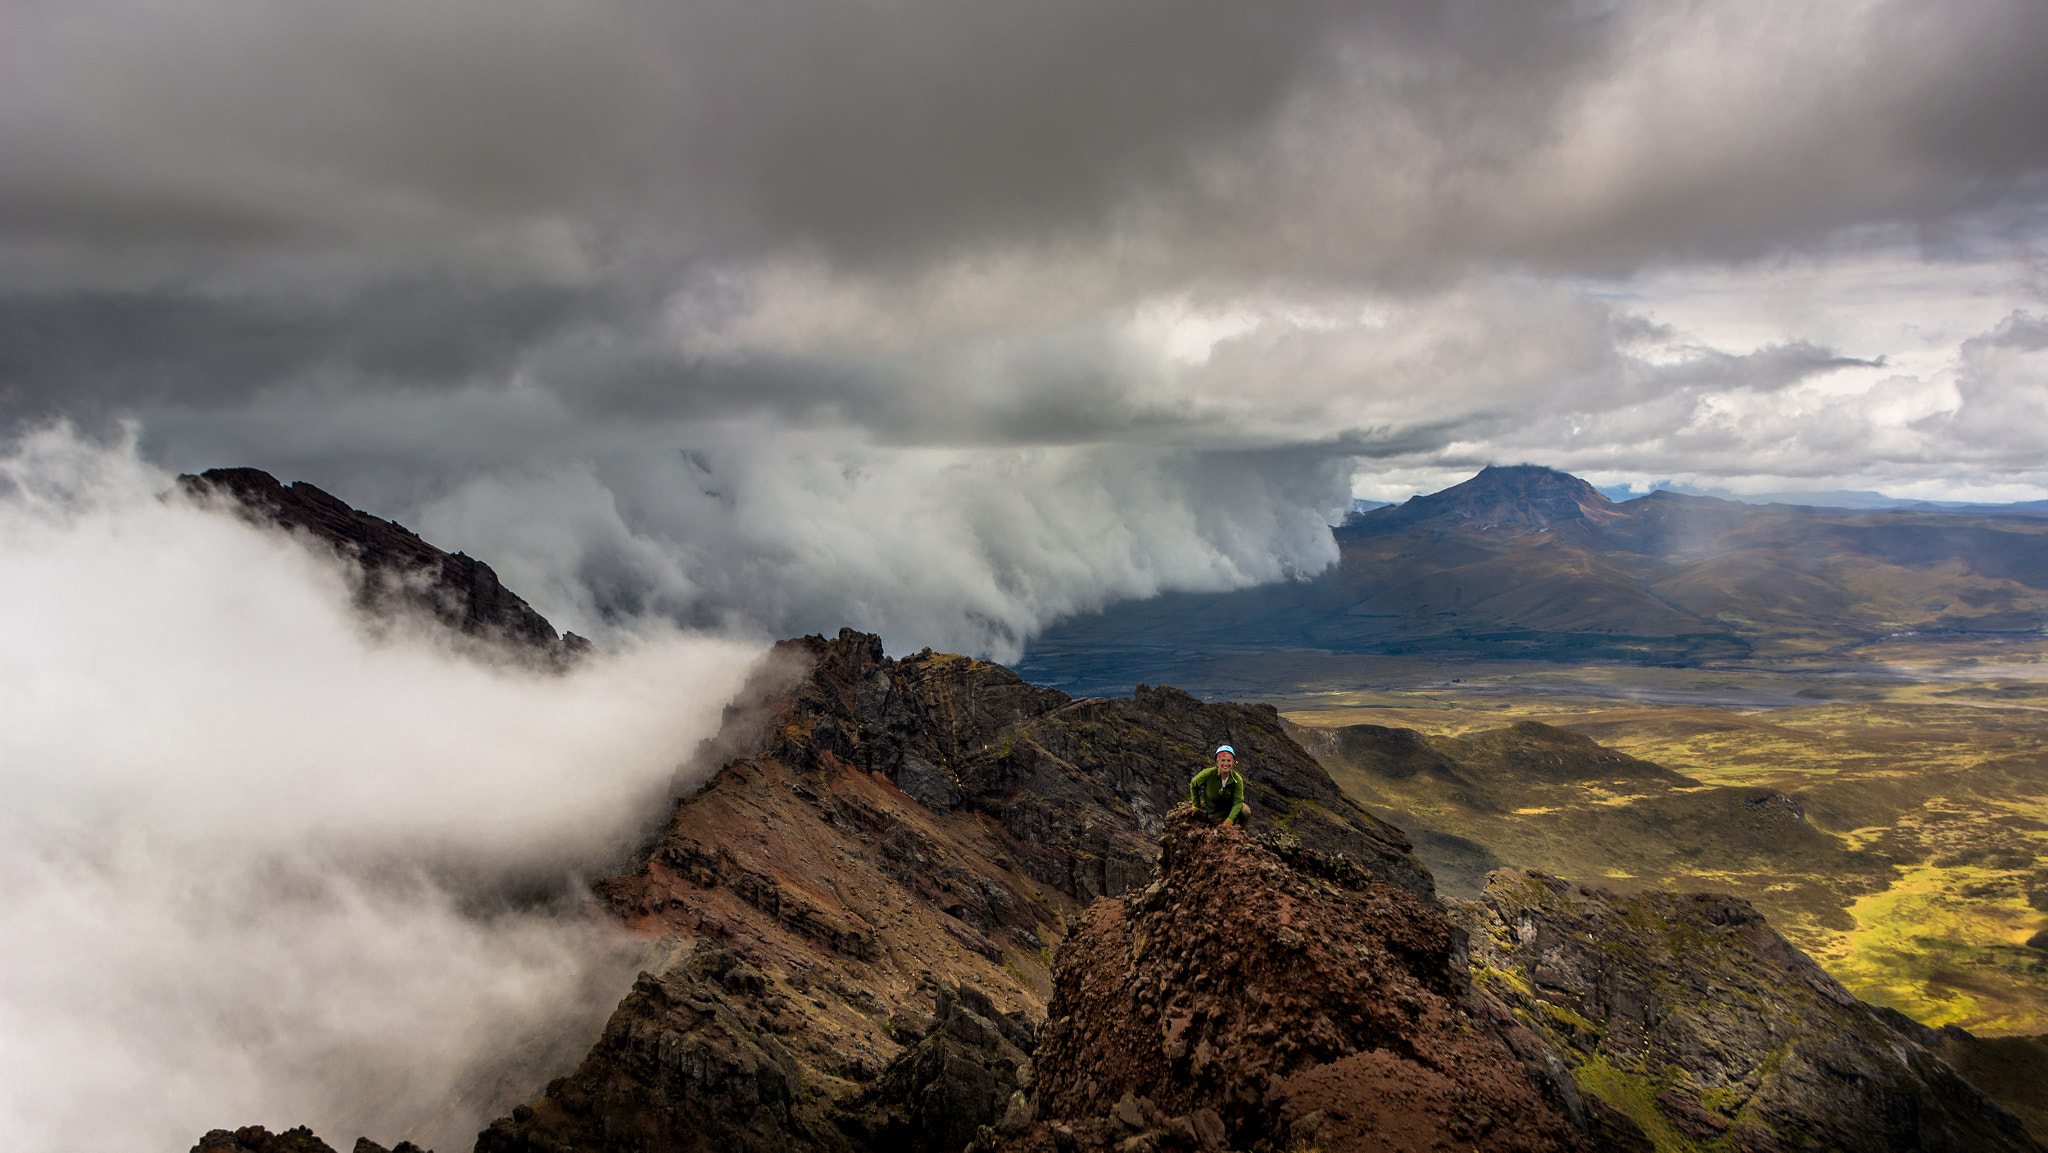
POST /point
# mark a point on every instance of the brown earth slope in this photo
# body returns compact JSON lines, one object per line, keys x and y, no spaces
{"x":863,"y":901}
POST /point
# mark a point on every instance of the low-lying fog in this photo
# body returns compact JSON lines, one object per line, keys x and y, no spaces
{"x":255,"y":860}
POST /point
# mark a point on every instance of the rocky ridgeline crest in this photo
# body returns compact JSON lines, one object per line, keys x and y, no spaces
{"x":257,"y":1139}
{"x":857,"y":919}
{"x":398,"y":571}
{"x":865,"y":897}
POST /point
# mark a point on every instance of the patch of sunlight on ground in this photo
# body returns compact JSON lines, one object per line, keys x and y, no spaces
{"x":1947,"y":945}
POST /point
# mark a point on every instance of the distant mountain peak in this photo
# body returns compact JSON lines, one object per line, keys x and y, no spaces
{"x":1527,"y":497}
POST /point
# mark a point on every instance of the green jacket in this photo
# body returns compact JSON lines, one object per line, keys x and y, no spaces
{"x":1208,"y":793}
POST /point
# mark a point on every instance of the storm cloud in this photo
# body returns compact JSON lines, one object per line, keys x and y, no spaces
{"x":949,"y":319}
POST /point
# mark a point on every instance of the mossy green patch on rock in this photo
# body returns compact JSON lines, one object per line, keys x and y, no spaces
{"x":1713,"y":1032}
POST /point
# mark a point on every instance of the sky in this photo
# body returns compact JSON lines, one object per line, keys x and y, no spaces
{"x":946,"y":320}
{"x":710,"y":322}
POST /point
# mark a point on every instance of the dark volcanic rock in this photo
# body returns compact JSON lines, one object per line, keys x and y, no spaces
{"x":886,"y":840}
{"x":1083,"y":785}
{"x":688,"y":1062}
{"x":257,"y":1139}
{"x":1239,"y":1001}
{"x":399,"y":568}
{"x":961,"y":1076}
{"x":1692,"y":1020}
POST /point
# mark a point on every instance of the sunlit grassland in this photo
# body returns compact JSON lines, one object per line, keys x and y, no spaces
{"x":1948,"y":945}
{"x":1922,"y":870}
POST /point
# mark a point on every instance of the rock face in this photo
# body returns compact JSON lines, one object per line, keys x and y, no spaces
{"x":399,"y":569}
{"x":1689,"y":1023}
{"x":257,"y":1139}
{"x":866,"y":896}
{"x":1248,"y":1001}
{"x":1244,"y":1002}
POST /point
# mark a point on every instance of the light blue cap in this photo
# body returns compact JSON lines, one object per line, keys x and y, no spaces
{"x":1226,"y":749}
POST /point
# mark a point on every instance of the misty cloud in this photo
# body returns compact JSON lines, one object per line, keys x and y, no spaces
{"x":257,"y":863}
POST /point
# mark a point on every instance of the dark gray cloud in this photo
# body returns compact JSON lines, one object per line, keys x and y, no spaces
{"x":1196,"y":136}
{"x":904,"y":253}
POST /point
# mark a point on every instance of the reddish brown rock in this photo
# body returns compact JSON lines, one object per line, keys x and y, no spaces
{"x":890,"y":854}
{"x":1247,"y":1002}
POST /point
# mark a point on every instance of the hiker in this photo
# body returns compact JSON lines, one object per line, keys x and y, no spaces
{"x":1218,"y":791}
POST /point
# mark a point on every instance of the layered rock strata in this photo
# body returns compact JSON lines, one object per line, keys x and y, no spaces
{"x":865,"y":898}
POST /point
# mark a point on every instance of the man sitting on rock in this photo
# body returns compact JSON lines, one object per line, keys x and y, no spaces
{"x":1218,"y":791}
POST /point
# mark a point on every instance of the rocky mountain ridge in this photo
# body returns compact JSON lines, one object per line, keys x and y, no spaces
{"x":397,"y":570}
{"x":865,"y":895}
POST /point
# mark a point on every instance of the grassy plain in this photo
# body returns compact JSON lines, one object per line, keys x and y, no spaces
{"x":1887,"y":808}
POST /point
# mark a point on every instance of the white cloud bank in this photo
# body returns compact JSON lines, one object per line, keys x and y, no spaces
{"x":253,"y":861}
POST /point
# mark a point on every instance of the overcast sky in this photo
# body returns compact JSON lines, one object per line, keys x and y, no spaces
{"x":944,"y":319}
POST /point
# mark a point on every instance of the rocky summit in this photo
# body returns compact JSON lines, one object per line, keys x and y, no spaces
{"x":1248,"y":1001}
{"x":862,"y":903}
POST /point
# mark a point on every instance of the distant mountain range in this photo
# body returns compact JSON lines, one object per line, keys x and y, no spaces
{"x":1862,"y":500}
{"x":1525,"y":561}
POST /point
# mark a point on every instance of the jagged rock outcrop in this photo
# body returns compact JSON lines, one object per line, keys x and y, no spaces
{"x":1689,"y":1023}
{"x":691,"y":1059}
{"x":972,"y":1061}
{"x":1244,"y":1002}
{"x":399,"y":570}
{"x":257,"y":1139}
{"x":891,"y":850}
